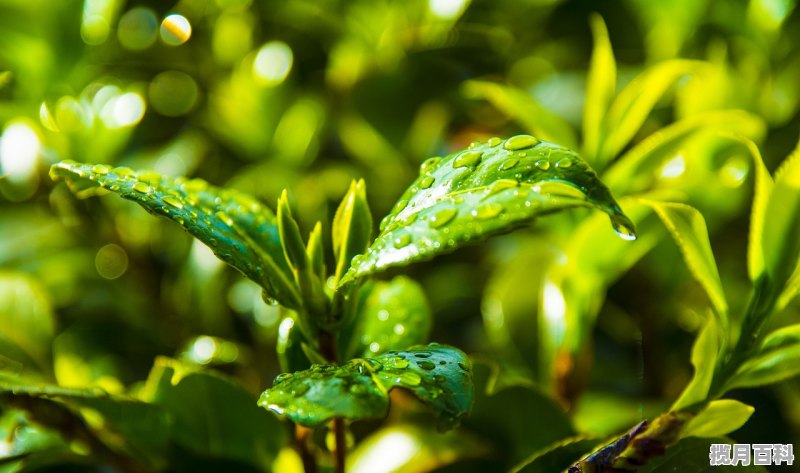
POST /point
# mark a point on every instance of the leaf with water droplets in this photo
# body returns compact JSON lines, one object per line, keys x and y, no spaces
{"x":439,"y":376}
{"x":388,"y":316}
{"x":239,"y":230}
{"x":490,"y":188}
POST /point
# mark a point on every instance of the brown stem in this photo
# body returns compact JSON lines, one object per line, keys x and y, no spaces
{"x":301,"y":436}
{"x":340,"y":444}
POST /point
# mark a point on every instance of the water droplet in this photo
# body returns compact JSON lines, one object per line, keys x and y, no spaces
{"x":173,"y":201}
{"x":500,"y":185}
{"x":494,"y":141}
{"x":402,"y":241}
{"x":282,"y":377}
{"x":399,"y":206}
{"x":101,"y":169}
{"x":467,"y":159}
{"x":508,"y":164}
{"x":398,"y":362}
{"x":123,"y":171}
{"x":564,"y":163}
{"x":426,"y":182}
{"x":409,"y":378}
{"x":543,"y":164}
{"x":429,"y":165}
{"x":439,"y":378}
{"x":442,"y":362}
{"x":463,"y":366}
{"x":423,"y":354}
{"x":426,"y":365}
{"x":487,"y":211}
{"x":142,"y":187}
{"x":442,"y":217}
{"x":623,"y":226}
{"x":299,"y":389}
{"x":409,"y":219}
{"x":520,"y":142}
{"x":474,"y":144}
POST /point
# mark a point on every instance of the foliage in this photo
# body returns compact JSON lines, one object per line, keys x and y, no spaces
{"x":125,"y":345}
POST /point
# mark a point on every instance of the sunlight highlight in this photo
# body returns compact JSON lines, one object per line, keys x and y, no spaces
{"x":273,"y":63}
{"x":19,"y":151}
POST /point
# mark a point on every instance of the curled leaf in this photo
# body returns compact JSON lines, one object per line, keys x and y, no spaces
{"x":490,"y":188}
{"x":239,"y":230}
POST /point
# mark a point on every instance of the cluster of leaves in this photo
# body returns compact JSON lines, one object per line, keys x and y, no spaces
{"x":566,"y":306}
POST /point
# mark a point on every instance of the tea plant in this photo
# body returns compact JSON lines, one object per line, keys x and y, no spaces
{"x":361,"y":340}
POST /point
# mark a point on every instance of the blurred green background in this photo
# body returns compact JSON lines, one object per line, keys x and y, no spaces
{"x":262,"y":95}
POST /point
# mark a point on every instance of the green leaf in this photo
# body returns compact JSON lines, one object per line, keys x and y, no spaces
{"x":688,"y":228}
{"x":523,"y":108}
{"x":239,"y":230}
{"x":289,"y":345}
{"x":352,"y":227}
{"x":388,"y":316}
{"x":556,"y":457}
{"x":292,"y":242}
{"x":213,"y":416}
{"x":601,"y":84}
{"x":777,"y":358}
{"x":312,"y":292}
{"x":115,"y":425}
{"x":634,"y":171}
{"x":704,"y":356}
{"x":512,"y":416}
{"x":439,"y":376}
{"x":691,"y":455}
{"x":26,"y":319}
{"x":719,"y":418}
{"x":780,"y":241}
{"x":489,"y":188}
{"x":414,"y":450}
{"x":316,"y":252}
{"x":635,"y":102}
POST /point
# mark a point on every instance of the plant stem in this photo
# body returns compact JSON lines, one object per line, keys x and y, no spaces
{"x":340,"y":444}
{"x":327,"y":346}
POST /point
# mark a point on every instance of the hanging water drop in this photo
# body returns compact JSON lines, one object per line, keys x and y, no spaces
{"x":520,"y":142}
{"x":623,"y":226}
{"x":442,"y":217}
{"x":467,"y":159}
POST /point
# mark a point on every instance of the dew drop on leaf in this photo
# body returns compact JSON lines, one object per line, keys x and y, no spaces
{"x":442,"y":217}
{"x":173,"y":201}
{"x":426,"y":182}
{"x":429,"y":165}
{"x":142,"y":187}
{"x":564,"y":163}
{"x":543,"y":164}
{"x":100,"y":169}
{"x":520,"y":142}
{"x":487,"y":211}
{"x":494,"y":141}
{"x":402,"y":240}
{"x":508,"y":164}
{"x":426,"y":365}
{"x":467,"y":159}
